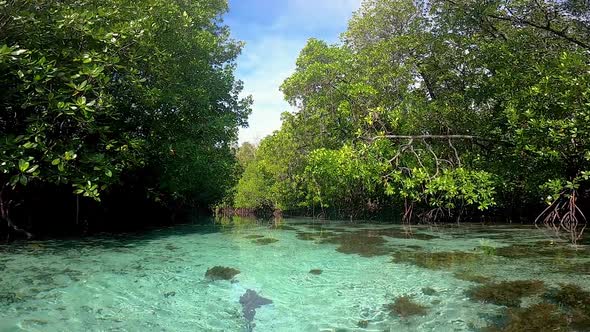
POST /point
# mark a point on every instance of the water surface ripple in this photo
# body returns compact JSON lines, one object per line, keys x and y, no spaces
{"x":156,"y":281}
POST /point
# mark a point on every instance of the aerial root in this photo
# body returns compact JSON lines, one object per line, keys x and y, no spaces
{"x":564,"y":216}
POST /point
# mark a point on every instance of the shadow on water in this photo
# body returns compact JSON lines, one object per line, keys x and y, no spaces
{"x":107,"y":241}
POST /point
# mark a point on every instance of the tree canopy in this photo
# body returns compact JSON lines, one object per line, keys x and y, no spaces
{"x":440,"y":108}
{"x":98,"y":95}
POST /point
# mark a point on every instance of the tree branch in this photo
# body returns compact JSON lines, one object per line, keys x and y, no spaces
{"x":547,"y":28}
{"x":441,"y":137}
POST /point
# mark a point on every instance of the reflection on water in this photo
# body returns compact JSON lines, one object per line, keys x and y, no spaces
{"x":240,"y":274}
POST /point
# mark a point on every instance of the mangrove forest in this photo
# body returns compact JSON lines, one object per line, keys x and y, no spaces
{"x":430,"y":170}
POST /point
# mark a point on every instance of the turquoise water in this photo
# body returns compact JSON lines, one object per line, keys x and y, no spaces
{"x":156,"y":281}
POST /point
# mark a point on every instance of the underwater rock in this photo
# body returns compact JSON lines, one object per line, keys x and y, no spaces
{"x":429,"y":291}
{"x":404,"y":307}
{"x":221,"y":273}
{"x":251,"y":301}
{"x":265,"y":241}
{"x":506,"y":293}
{"x":316,"y":271}
{"x":413,"y":247}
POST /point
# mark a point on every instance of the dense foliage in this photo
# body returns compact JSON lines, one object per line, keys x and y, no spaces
{"x":98,"y":97}
{"x":442,"y":108}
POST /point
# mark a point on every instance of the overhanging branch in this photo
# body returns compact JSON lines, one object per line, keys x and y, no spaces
{"x":441,"y":137}
{"x":547,"y":27}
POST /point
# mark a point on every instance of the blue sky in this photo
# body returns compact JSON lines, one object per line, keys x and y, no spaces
{"x":275,"y":31}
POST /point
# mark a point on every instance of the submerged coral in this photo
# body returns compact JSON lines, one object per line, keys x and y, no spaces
{"x":221,"y":273}
{"x":360,"y":243}
{"x":307,"y":236}
{"x":171,"y":247}
{"x":363,"y":242}
{"x":436,"y":260}
{"x":265,"y":241}
{"x":404,"y":307}
{"x":541,"y":317}
{"x":283,"y":227}
{"x":506,"y":293}
{"x":576,"y":302}
{"x":398,"y":233}
{"x":569,"y":310}
{"x":541,"y":249}
{"x":315,"y":226}
{"x":10,"y":298}
{"x":254,"y":236}
{"x":566,"y":265}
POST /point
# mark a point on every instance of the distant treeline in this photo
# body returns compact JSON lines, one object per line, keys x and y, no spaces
{"x":441,"y":110}
{"x":114,"y":112}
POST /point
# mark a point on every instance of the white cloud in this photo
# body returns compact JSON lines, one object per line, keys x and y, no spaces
{"x":265,"y":65}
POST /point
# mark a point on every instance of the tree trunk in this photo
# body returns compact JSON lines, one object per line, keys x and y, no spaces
{"x":5,"y":205}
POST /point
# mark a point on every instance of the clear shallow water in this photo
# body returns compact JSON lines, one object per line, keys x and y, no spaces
{"x":156,"y":281}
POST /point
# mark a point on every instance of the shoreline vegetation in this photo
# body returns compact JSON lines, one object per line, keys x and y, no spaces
{"x":117,"y":114}
{"x":114,"y":114}
{"x":435,"y":112}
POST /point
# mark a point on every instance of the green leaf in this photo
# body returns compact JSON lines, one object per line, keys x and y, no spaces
{"x":70,"y":155}
{"x":18,"y":52}
{"x":33,"y":169}
{"x":23,"y":165}
{"x":14,"y":180}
